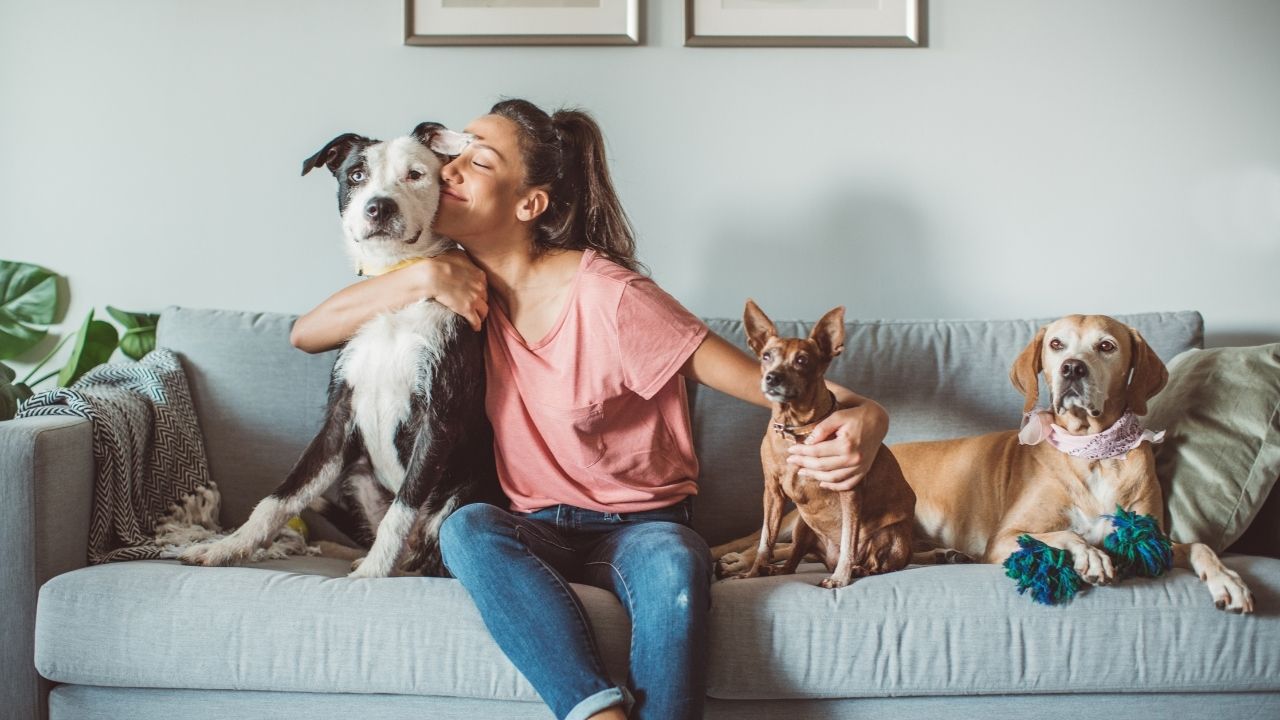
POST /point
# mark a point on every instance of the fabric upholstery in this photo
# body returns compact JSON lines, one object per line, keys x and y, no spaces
{"x":46,"y":481}
{"x":297,"y":625}
{"x":963,"y":629}
{"x":79,"y":702}
{"x":1221,"y":456}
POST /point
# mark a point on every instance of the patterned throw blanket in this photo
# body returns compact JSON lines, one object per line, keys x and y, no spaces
{"x":152,"y":495}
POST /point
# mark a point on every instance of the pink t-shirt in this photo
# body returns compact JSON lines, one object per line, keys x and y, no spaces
{"x":595,"y":414}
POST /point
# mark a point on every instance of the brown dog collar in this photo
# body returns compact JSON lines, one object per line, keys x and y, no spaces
{"x":797,"y":432}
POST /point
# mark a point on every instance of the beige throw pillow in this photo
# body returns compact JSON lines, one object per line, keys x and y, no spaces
{"x":1221,"y":453}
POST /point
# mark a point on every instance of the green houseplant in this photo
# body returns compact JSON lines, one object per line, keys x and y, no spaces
{"x":29,"y":301}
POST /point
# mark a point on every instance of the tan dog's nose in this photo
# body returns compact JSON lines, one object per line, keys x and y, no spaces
{"x":1074,"y":369}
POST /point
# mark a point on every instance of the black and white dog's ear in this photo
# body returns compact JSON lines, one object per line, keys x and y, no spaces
{"x":332,"y":155}
{"x":441,"y":139}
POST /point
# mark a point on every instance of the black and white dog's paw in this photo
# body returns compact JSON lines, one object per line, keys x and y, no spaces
{"x":226,"y":551}
{"x":366,"y":568}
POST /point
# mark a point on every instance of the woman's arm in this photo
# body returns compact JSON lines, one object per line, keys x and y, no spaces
{"x":451,"y":279}
{"x":839,"y":451}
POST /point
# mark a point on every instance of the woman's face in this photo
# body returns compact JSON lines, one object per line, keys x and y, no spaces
{"x":483,"y":195}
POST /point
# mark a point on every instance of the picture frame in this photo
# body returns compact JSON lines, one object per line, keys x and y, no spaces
{"x":805,"y":23}
{"x":522,"y":22}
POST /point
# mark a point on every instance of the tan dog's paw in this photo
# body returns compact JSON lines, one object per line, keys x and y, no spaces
{"x":833,"y":582}
{"x":1093,"y":565}
{"x":731,"y":564}
{"x":226,"y":551}
{"x":755,"y":572}
{"x":1229,"y":591}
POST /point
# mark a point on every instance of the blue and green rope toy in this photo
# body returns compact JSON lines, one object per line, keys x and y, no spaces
{"x":1045,"y":571}
{"x":1136,"y":546}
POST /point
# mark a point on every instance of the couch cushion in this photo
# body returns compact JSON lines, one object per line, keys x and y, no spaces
{"x":937,"y":378}
{"x":1221,"y":452}
{"x":963,"y":629}
{"x":259,"y":400}
{"x":298,"y":625}
{"x":289,"y":625}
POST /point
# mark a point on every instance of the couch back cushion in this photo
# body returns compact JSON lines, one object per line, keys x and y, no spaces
{"x":260,"y":401}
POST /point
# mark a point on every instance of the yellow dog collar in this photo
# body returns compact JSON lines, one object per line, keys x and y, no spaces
{"x":374,"y":272}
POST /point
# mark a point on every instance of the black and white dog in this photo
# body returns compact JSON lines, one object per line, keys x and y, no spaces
{"x":405,"y":428}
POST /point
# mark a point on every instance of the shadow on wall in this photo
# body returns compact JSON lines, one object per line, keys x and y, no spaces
{"x":1239,"y":338}
{"x":866,"y":249}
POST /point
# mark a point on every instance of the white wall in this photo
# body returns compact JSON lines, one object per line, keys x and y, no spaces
{"x":1038,"y":158}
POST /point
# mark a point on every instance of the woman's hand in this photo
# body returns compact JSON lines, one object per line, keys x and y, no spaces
{"x":840,"y":450}
{"x":455,"y":282}
{"x":451,"y":279}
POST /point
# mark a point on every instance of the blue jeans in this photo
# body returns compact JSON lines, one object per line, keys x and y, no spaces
{"x":518,"y":566}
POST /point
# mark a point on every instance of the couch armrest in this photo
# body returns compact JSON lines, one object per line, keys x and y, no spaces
{"x":46,"y":491}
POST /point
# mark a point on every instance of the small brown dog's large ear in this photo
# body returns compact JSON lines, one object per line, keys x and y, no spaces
{"x":1025,"y":374}
{"x":1149,"y":373}
{"x":829,"y":332}
{"x":758,"y":326}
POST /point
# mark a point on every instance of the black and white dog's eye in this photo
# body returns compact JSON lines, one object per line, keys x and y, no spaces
{"x":356,"y":176}
{"x":415,"y":175}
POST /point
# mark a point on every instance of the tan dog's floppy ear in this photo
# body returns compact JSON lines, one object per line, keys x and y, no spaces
{"x":829,"y":332}
{"x":1025,"y":374}
{"x":1149,"y":373}
{"x":758,"y":326}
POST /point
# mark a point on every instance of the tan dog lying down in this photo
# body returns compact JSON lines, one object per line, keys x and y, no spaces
{"x":976,"y":495}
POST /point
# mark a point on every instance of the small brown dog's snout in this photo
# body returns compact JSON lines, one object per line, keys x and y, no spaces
{"x":1074,"y":370}
{"x":772,"y":379}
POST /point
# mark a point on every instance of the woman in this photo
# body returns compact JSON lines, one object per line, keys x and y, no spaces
{"x":584,"y":365}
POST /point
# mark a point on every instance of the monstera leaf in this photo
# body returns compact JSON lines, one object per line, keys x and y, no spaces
{"x":28,"y":297}
{"x":139,"y":332}
{"x":95,"y":342}
{"x":11,"y":393}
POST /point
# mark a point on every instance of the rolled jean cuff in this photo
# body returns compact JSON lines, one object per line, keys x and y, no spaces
{"x":602,"y":700}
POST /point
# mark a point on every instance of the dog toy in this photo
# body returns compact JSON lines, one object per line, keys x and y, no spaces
{"x":1045,"y":571}
{"x":299,"y":526}
{"x":1136,"y":546}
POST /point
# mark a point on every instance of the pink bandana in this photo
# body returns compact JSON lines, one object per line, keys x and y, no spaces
{"x":1125,"y":435}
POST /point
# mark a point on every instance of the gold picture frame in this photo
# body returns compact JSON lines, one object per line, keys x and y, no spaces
{"x":522,"y":22}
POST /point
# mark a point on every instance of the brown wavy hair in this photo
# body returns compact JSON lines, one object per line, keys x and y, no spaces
{"x":565,"y":152}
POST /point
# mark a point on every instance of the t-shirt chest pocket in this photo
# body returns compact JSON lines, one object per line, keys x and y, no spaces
{"x":574,"y":435}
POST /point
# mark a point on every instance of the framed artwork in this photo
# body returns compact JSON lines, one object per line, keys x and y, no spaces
{"x":522,"y":22}
{"x":805,"y":23}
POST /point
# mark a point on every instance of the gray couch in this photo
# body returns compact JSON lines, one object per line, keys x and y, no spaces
{"x":295,"y":639}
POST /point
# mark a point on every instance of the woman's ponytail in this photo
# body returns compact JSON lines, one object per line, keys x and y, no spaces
{"x":566,"y":153}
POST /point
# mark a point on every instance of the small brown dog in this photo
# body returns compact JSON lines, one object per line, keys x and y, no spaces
{"x":858,"y":532}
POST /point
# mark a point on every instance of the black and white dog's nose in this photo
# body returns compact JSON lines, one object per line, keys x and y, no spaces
{"x":1074,"y":369}
{"x":380,"y":208}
